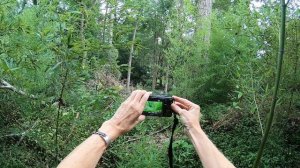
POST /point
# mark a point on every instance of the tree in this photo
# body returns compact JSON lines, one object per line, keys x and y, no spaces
{"x":278,"y":75}
{"x":130,"y":57}
{"x":205,"y":11}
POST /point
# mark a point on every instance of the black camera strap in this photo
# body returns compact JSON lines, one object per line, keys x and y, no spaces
{"x":170,"y":149}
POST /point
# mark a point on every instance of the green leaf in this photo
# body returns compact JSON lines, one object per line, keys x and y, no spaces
{"x":240,"y":94}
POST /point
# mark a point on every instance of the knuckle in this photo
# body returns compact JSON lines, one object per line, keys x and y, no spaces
{"x":130,"y":105}
{"x":125,"y":104}
{"x":136,"y":91}
{"x":197,"y":107}
{"x":135,"y":108}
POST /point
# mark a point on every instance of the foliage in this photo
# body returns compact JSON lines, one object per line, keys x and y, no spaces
{"x":72,"y":56}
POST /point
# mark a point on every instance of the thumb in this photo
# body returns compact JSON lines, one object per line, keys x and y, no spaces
{"x":141,"y":118}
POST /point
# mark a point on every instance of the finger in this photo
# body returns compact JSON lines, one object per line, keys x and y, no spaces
{"x":176,"y":108}
{"x":145,"y":98}
{"x":139,"y":95}
{"x":132,"y":95}
{"x":181,"y":105}
{"x":140,"y":119}
{"x":185,"y":102}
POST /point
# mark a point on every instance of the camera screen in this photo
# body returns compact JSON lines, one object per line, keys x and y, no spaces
{"x":153,"y":106}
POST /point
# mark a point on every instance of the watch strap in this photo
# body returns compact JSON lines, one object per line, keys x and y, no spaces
{"x":104,"y":137}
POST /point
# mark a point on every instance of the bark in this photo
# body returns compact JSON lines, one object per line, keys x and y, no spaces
{"x":130,"y":57}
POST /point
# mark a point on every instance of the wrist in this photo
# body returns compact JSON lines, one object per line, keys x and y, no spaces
{"x":194,"y":128}
{"x":193,"y":125}
{"x":110,"y":130}
{"x":196,"y":134}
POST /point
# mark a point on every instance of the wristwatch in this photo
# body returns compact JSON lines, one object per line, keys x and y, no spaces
{"x":104,"y":137}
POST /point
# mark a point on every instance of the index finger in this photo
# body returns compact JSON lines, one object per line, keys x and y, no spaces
{"x":145,"y":98}
{"x":132,"y":95}
{"x":139,"y":95}
{"x":183,"y":101}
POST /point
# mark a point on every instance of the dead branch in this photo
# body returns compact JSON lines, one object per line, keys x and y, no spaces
{"x":140,"y":137}
{"x":5,"y":85}
{"x":25,"y":132}
{"x":153,"y":133}
{"x":22,"y":134}
{"x":229,"y":119}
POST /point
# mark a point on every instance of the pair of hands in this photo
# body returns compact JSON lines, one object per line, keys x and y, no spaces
{"x":129,"y":114}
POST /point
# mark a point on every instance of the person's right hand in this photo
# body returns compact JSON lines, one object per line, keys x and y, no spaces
{"x":188,"y":112}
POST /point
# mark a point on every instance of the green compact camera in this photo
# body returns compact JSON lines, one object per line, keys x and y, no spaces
{"x":158,"y":105}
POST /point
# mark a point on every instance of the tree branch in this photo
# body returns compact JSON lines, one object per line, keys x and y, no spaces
{"x":21,"y":134}
{"x":25,"y":132}
{"x":255,"y":102}
{"x":140,"y":137}
{"x":5,"y":85}
{"x":60,"y":103}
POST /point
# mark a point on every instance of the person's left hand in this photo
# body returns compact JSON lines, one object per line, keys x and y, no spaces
{"x":128,"y":115}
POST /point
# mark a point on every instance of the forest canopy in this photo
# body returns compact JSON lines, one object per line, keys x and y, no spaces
{"x":66,"y":66}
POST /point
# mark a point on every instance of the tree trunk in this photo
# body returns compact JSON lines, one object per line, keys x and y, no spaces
{"x":295,"y":67}
{"x":277,"y":82}
{"x":155,"y":66}
{"x":104,"y":23}
{"x":204,"y":9}
{"x":82,"y":28}
{"x":155,"y":60}
{"x":130,"y":57}
{"x":167,"y":81}
{"x":23,"y":3}
{"x":111,"y":24}
{"x":204,"y":23}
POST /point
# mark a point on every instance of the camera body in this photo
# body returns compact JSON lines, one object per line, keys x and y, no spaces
{"x":159,"y":105}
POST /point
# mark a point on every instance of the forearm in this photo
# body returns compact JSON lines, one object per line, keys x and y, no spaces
{"x":208,"y":153}
{"x":128,"y":115}
{"x":86,"y":155}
